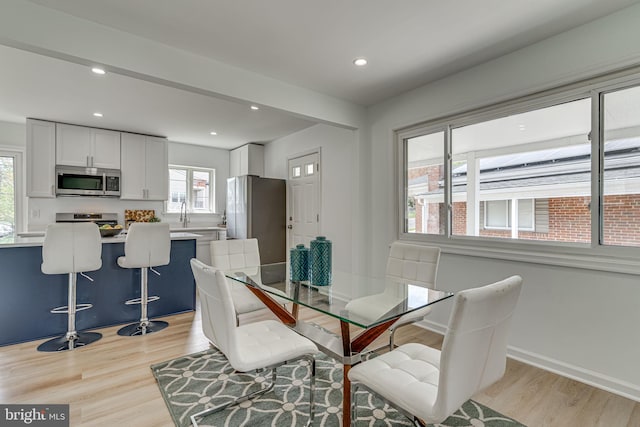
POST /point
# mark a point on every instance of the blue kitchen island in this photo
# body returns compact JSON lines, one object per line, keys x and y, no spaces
{"x":27,"y":295}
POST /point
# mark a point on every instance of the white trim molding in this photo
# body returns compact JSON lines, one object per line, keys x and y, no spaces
{"x":586,"y":376}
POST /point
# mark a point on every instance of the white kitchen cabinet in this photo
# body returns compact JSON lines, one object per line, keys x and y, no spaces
{"x":247,"y":160}
{"x":87,"y":147}
{"x":145,"y":167}
{"x":41,"y":158}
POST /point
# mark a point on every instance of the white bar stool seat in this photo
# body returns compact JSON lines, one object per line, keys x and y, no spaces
{"x":71,"y":248}
{"x":147,"y":245}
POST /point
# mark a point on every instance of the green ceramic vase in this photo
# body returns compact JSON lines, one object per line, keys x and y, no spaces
{"x":320,"y":264}
{"x":299,"y":260}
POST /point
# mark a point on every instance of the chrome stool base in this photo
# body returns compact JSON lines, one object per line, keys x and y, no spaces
{"x":80,"y":339}
{"x":141,"y":328}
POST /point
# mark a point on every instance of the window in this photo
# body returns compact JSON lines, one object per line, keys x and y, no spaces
{"x":525,"y":170}
{"x":544,"y":152}
{"x":193,"y":187}
{"x":497,"y":214}
{"x":621,"y":186}
{"x":424,"y":198}
{"x":8,"y":200}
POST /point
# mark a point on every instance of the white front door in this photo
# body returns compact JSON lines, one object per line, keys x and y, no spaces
{"x":304,"y":199}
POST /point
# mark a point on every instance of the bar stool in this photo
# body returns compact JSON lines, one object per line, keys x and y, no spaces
{"x":71,"y":248}
{"x":148,"y":245}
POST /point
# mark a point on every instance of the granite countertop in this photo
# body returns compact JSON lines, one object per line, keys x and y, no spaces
{"x":37,"y":240}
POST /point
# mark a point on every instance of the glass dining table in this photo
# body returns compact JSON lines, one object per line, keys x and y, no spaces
{"x":372,"y":304}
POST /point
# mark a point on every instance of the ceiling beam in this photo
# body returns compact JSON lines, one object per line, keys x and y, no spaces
{"x":45,"y":31}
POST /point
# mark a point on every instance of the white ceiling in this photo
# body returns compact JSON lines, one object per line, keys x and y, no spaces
{"x":41,"y":87}
{"x":306,"y":43}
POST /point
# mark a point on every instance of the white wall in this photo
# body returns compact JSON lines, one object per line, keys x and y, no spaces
{"x":582,"y":323}
{"x":337,"y":171}
{"x":13,"y":135}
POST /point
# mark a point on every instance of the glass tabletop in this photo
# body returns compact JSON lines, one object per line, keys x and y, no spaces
{"x":360,"y":300}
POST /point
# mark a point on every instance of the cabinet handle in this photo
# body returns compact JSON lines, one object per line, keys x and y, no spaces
{"x":88,"y":164}
{"x":53,"y":190}
{"x":91,"y":161}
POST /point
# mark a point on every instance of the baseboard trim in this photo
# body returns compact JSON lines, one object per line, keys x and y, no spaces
{"x":586,"y":376}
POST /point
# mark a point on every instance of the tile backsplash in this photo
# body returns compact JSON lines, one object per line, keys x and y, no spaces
{"x":138,"y":215}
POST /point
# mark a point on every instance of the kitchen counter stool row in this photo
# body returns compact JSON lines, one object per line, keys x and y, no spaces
{"x":76,"y":248}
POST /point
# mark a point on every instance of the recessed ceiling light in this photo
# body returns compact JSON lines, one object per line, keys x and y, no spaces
{"x":98,"y":70}
{"x":255,"y":107}
{"x":360,"y":62}
{"x":213,"y":133}
{"x":97,"y":114}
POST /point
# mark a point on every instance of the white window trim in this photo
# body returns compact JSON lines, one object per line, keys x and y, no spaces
{"x":508,"y":227}
{"x":593,"y":256}
{"x":486,"y":215}
{"x":212,"y":183}
{"x":20,"y":180}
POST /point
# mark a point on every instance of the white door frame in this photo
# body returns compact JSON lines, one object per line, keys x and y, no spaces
{"x":318,"y":151}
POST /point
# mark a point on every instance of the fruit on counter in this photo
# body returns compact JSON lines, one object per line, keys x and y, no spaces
{"x":109,"y":227}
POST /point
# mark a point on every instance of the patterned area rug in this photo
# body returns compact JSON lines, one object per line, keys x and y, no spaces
{"x":193,"y":383}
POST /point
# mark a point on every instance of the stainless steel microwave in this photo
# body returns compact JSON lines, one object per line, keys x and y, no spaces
{"x":80,"y":181}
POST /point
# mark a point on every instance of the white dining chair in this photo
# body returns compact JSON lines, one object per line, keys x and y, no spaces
{"x":240,"y":255}
{"x":406,"y":263}
{"x":429,"y":385}
{"x":418,"y":265}
{"x":266,"y":344}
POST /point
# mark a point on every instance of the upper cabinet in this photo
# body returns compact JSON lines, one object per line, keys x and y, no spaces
{"x":87,"y":147}
{"x":41,"y":158}
{"x":145,"y":168}
{"x":247,"y":160}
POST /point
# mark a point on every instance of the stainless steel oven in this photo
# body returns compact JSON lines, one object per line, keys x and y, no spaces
{"x":80,"y":181}
{"x":98,"y":218}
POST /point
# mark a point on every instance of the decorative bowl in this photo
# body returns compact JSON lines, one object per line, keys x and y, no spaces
{"x":110,"y":232}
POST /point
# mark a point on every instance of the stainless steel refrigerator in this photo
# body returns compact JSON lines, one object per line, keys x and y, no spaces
{"x":256,"y":208}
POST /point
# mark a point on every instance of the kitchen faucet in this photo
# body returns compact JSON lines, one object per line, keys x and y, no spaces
{"x":184,"y":218}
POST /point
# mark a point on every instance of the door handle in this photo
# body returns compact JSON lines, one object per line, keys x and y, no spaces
{"x":290,"y":227}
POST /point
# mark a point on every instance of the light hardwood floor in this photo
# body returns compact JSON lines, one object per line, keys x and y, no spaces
{"x":109,"y":383}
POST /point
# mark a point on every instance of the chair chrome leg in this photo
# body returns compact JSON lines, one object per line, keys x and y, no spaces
{"x":141,"y":328}
{"x":80,"y":339}
{"x":144,"y":326}
{"x":312,"y":388}
{"x":240,"y":399}
{"x":72,"y":339}
{"x":391,"y":339}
